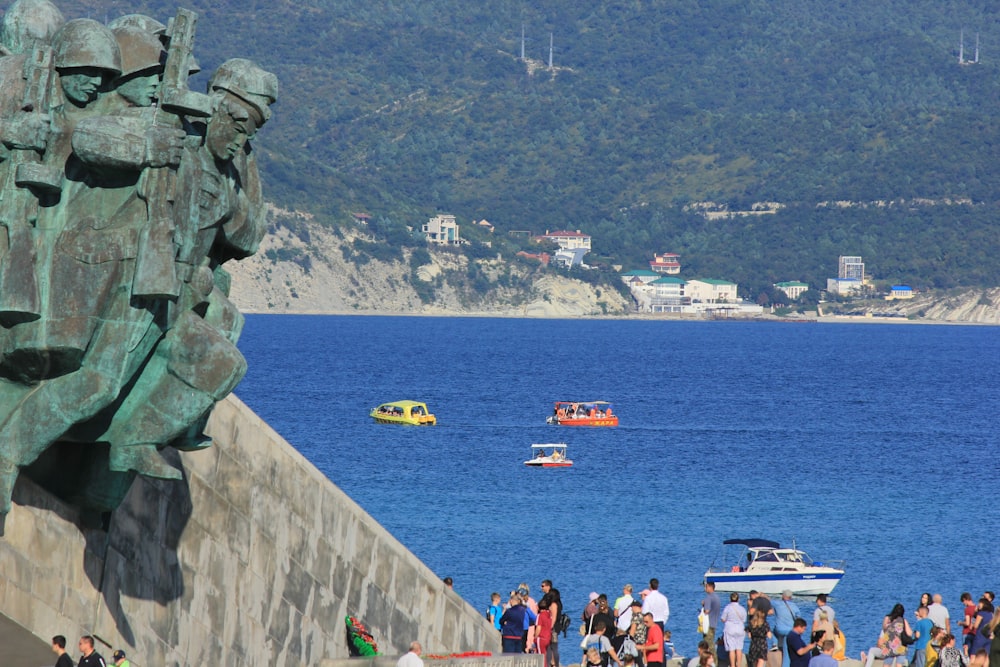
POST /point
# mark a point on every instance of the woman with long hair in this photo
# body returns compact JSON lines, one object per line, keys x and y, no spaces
{"x":760,"y":632}
{"x":890,"y":643}
{"x":981,"y":626}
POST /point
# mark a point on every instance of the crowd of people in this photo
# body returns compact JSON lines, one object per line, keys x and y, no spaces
{"x":89,"y":657}
{"x":631,"y":631}
{"x":780,"y":627}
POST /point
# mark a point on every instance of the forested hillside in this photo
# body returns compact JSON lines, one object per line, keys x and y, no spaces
{"x":401,"y":109}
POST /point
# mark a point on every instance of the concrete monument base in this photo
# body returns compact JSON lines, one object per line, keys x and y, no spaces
{"x":253,"y":559}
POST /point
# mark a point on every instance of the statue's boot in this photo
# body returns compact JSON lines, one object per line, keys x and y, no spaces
{"x":194,"y":439}
{"x":192,"y":368}
{"x":43,"y":414}
{"x":145,"y":459}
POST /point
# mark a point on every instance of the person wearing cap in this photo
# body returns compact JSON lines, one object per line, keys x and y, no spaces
{"x":512,"y":625}
{"x":531,"y":617}
{"x":119,"y":660}
{"x":526,"y":599}
{"x":590,"y":609}
{"x":623,"y":608}
{"x":785,"y":613}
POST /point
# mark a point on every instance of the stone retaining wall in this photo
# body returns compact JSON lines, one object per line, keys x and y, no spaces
{"x":254,"y":559}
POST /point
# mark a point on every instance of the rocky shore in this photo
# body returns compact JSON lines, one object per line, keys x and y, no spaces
{"x":307,"y":268}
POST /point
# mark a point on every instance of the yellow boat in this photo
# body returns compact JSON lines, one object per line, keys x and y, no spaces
{"x":403,"y":412}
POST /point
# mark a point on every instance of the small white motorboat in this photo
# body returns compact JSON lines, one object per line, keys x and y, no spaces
{"x":551,"y":455}
{"x":768,"y":567}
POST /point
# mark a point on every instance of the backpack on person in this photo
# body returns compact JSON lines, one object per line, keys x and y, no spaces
{"x":628,"y":647}
{"x":562,"y":624}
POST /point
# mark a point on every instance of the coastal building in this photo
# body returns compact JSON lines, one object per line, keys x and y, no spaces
{"x":667,"y":295}
{"x":707,"y":290}
{"x":844,"y":286}
{"x":899,"y":292}
{"x":442,"y":230}
{"x":793,"y":289}
{"x":640,"y":276}
{"x":667,"y":262}
{"x":567,"y":240}
{"x":569,"y":257}
{"x":485,"y":224}
{"x":851,"y":268}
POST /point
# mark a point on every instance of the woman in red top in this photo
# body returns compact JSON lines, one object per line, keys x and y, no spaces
{"x":543,"y":626}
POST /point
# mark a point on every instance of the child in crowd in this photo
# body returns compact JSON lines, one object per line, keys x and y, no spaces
{"x":592,"y":658}
{"x":934,"y":646}
{"x":950,"y":655}
{"x":668,"y":646}
{"x":495,"y":611}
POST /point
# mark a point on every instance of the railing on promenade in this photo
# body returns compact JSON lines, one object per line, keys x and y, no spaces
{"x":495,"y":660}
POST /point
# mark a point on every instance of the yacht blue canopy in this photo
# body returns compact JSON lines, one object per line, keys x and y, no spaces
{"x":755,"y":544}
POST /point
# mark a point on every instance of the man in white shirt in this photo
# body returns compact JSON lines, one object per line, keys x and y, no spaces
{"x":623,"y":609}
{"x":938,"y":613}
{"x":654,"y":602}
{"x":411,"y":659}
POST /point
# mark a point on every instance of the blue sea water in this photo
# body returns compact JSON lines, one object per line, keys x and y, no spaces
{"x":871,"y":443}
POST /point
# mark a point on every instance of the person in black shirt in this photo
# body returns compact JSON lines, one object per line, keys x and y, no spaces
{"x":90,"y":658}
{"x":59,"y":648}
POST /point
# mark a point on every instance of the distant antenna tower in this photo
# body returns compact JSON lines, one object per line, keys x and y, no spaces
{"x":550,"y":50}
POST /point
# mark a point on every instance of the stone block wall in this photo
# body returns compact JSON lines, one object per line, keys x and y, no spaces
{"x":253,"y":559}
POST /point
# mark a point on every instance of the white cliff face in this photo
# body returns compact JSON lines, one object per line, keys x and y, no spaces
{"x":974,"y":306}
{"x":305,"y":271}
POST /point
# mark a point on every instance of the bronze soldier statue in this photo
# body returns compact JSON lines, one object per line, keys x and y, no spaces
{"x":134,"y":336}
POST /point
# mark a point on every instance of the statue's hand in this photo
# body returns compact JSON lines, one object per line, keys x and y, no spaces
{"x":164,"y":146}
{"x":26,"y":131}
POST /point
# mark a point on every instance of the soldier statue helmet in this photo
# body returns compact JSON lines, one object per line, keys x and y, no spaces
{"x":86,"y":54}
{"x":143,"y":57}
{"x":244,"y":93}
{"x":251,"y":84}
{"x":29,"y":23}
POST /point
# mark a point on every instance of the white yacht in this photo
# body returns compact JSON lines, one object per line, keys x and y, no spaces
{"x":768,"y":567}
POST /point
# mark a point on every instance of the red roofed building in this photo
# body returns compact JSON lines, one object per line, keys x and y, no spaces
{"x":668,"y":262}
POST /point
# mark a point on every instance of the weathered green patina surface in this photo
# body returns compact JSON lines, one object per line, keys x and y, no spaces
{"x":122,"y":194}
